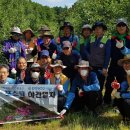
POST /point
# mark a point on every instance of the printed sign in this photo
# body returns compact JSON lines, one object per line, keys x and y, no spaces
{"x":27,"y":102}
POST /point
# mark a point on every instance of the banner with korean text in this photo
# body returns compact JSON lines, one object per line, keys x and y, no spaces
{"x":27,"y":102}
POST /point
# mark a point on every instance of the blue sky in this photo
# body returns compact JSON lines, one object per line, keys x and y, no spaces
{"x":53,"y":3}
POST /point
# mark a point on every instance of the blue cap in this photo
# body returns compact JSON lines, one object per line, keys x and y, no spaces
{"x":44,"y":53}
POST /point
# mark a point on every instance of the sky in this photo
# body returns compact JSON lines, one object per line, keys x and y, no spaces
{"x":53,"y":3}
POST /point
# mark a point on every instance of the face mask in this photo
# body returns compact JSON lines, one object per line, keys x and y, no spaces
{"x":35,"y":75}
{"x":84,"y":72}
{"x":57,"y":76}
{"x":128,"y":72}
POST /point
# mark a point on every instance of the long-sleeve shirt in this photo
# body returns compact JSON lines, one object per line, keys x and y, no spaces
{"x":125,"y":93}
{"x":13,"y":57}
{"x":90,"y":84}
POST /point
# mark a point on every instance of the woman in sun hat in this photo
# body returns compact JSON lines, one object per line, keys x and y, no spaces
{"x":85,"y":89}
{"x":62,"y":82}
{"x":31,"y":45}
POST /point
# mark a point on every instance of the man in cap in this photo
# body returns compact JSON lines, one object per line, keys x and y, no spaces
{"x":35,"y":77}
{"x":61,"y":81}
{"x":85,"y":37}
{"x":122,"y":96}
{"x":98,"y":52}
{"x":119,"y":41}
{"x":69,"y":58}
{"x":48,"y":45}
{"x":85,"y":89}
{"x":68,"y":35}
{"x":31,"y":46}
{"x":14,"y":48}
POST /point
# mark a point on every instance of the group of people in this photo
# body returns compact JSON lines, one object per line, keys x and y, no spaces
{"x":80,"y":66}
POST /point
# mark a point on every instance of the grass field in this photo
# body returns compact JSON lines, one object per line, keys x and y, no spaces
{"x":107,"y":120}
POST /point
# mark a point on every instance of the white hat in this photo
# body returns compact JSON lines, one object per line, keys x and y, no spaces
{"x":58,"y":63}
{"x":87,"y":26}
{"x":16,"y":30}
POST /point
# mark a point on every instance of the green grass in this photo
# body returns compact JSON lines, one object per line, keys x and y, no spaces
{"x":108,"y":120}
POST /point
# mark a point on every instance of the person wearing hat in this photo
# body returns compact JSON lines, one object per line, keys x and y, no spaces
{"x":85,"y":37}
{"x":31,"y":45}
{"x":48,"y":45}
{"x":85,"y":89}
{"x":98,"y":52}
{"x":14,"y":48}
{"x":67,"y":34}
{"x":35,"y":77}
{"x":45,"y":62}
{"x":119,"y":41}
{"x":41,"y":31}
{"x":61,"y":81}
{"x":69,"y":58}
{"x":122,"y":96}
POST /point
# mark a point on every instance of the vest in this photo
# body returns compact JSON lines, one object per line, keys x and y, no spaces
{"x":97,"y":52}
{"x":63,"y":79}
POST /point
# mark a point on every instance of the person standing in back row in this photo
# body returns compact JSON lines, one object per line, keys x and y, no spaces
{"x":121,"y":36}
{"x":98,"y":52}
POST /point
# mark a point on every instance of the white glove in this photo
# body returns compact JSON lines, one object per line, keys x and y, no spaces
{"x":59,"y":87}
{"x":13,"y":71}
{"x":117,"y":95}
{"x":63,"y":112}
{"x":12,"y":50}
{"x":29,"y":50}
{"x":54,"y":55}
{"x":119,"y":44}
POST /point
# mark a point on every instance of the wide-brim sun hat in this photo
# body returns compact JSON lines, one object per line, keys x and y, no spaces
{"x":31,"y":31}
{"x":83,"y":64}
{"x":16,"y":30}
{"x":58,"y":63}
{"x":125,"y":59}
{"x":44,"y":28}
{"x":67,"y":24}
{"x":48,"y":34}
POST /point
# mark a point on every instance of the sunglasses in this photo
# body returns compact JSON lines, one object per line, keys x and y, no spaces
{"x":121,"y":25}
{"x":35,"y":70}
{"x":65,"y":48}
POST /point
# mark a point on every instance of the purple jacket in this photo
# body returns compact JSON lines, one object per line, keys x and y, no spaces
{"x":12,"y":57}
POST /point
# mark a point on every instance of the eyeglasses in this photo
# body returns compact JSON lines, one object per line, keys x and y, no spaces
{"x":35,"y":70}
{"x":65,"y":48}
